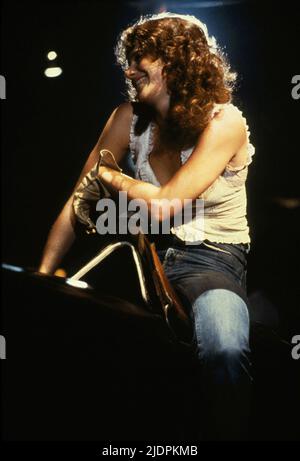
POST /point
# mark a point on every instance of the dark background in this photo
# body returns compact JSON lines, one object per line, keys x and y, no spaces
{"x":49,"y":126}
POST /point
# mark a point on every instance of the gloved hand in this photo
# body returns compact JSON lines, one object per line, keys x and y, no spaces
{"x":91,"y":189}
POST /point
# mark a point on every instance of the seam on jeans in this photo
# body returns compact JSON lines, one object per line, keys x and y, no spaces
{"x":218,"y":249}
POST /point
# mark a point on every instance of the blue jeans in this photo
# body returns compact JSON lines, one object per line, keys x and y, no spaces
{"x":212,"y":286}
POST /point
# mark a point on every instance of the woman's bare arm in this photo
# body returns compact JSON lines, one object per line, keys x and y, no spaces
{"x":115,"y":137}
{"x":217,"y":145}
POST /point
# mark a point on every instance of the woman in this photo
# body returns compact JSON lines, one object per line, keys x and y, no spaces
{"x":188,"y":141}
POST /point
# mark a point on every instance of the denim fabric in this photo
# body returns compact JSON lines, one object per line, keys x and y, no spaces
{"x":212,"y":286}
{"x":222,"y":334}
{"x":181,"y":260}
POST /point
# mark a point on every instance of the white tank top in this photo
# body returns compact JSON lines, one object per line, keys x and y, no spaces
{"x":223,"y":218}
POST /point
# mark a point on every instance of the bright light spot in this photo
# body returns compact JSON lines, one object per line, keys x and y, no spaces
{"x":60,"y":273}
{"x":53,"y":71}
{"x":51,"y":55}
{"x":12,"y":268}
{"x":77,"y":283}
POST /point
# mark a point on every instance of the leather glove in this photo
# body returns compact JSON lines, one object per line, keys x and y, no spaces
{"x":91,"y":189}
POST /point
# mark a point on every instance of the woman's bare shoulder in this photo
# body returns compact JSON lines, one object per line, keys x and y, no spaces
{"x":124,"y":111}
{"x":120,"y":120}
{"x":228,"y":119}
{"x":232,"y":118}
{"x":227,"y":111}
{"x":225,"y":131}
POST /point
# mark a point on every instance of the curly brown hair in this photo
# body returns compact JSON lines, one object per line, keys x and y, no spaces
{"x":197,"y":73}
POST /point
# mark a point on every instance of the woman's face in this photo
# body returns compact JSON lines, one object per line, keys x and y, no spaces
{"x":147,"y":79}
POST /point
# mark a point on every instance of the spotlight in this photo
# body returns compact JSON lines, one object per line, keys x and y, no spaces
{"x":51,"y":55}
{"x":53,"y":69}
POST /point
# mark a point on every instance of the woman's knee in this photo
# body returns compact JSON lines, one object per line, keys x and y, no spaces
{"x":221,"y":323}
